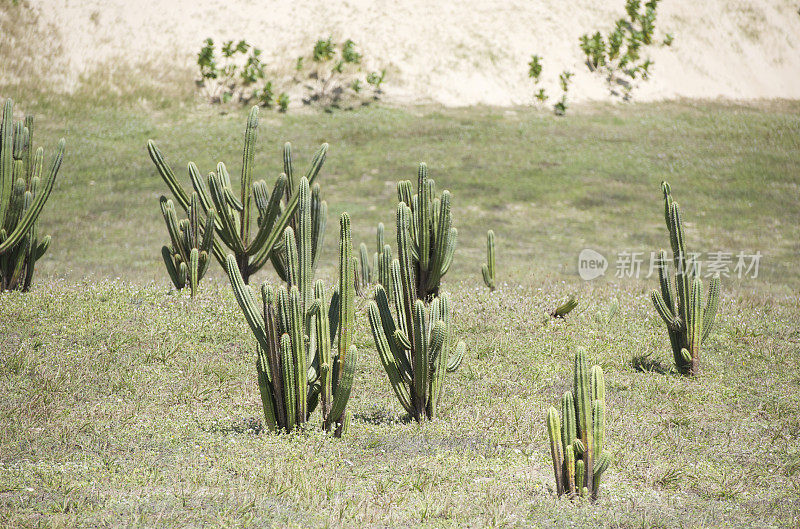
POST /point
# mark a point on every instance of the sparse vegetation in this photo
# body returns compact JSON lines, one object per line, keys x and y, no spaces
{"x":560,"y":108}
{"x":330,"y":77}
{"x":125,"y":405}
{"x":621,"y":55}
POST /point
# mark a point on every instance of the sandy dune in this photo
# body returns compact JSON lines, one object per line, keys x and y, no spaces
{"x":449,"y":52}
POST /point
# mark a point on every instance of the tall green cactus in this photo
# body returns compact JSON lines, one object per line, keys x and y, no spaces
{"x":295,"y":328}
{"x":274,"y":211}
{"x":433,"y":237}
{"x":188,"y":256}
{"x":414,"y":344}
{"x":688,"y":322}
{"x":488,"y":268}
{"x":22,"y":196}
{"x":577,"y":437}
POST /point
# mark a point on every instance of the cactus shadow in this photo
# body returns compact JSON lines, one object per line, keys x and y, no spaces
{"x":248,"y":425}
{"x":645,"y":364}
{"x":381,"y":416}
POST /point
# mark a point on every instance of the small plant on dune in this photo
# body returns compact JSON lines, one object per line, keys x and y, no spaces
{"x":295,"y":328}
{"x":560,"y":108}
{"x":333,"y":78}
{"x":619,"y":55}
{"x":188,"y":256}
{"x":237,"y":74}
{"x":535,"y":73}
{"x":23,"y":194}
{"x":488,"y":267}
{"x":415,"y":343}
{"x":565,"y":308}
{"x":681,"y":308}
{"x":577,"y":438}
{"x":254,"y":241}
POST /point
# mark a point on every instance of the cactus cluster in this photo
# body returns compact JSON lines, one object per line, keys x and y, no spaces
{"x":23,"y":194}
{"x":577,"y":437}
{"x":187,"y":257}
{"x":488,"y":267}
{"x":415,"y":343}
{"x":688,"y":321}
{"x":275,"y":211}
{"x":432,"y":236}
{"x":295,"y":328}
{"x":379,"y":271}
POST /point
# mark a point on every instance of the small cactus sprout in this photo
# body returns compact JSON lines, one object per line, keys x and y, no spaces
{"x":252,"y":243}
{"x":488,"y":268}
{"x":379,"y":270}
{"x":305,"y":351}
{"x":688,"y":321}
{"x":187,"y":257}
{"x":577,"y":437}
{"x":565,"y":308}
{"x":24,"y":190}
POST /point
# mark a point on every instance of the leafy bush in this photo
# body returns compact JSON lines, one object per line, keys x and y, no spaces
{"x":619,"y":55}
{"x":333,"y":78}
{"x":233,"y":76}
{"x":330,"y":76}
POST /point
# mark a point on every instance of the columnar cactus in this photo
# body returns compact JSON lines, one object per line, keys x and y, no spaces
{"x":433,"y":239}
{"x":379,"y":272}
{"x":22,"y":197}
{"x":414,"y":344}
{"x":188,"y":256}
{"x":688,"y":322}
{"x":577,"y":438}
{"x":275,"y":211}
{"x":295,"y":328}
{"x":488,"y":268}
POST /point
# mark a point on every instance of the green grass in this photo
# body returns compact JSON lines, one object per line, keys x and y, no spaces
{"x":127,"y":405}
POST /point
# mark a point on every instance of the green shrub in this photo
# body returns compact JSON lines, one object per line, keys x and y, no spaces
{"x":619,"y":55}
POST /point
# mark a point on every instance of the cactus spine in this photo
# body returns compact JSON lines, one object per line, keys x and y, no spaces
{"x":488,"y":268}
{"x":23,"y":194}
{"x":688,"y":321}
{"x":577,"y":438}
{"x":188,"y":256}
{"x":296,"y":327}
{"x":273,"y":211}
{"x":415,"y":343}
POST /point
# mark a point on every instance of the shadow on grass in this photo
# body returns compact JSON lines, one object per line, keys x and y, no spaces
{"x":645,"y":364}
{"x":249,"y":425}
{"x":381,"y":416}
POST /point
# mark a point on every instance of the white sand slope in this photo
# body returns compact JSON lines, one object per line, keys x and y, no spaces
{"x":450,"y":52}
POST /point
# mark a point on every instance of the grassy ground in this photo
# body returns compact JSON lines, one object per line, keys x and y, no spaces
{"x":127,"y":405}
